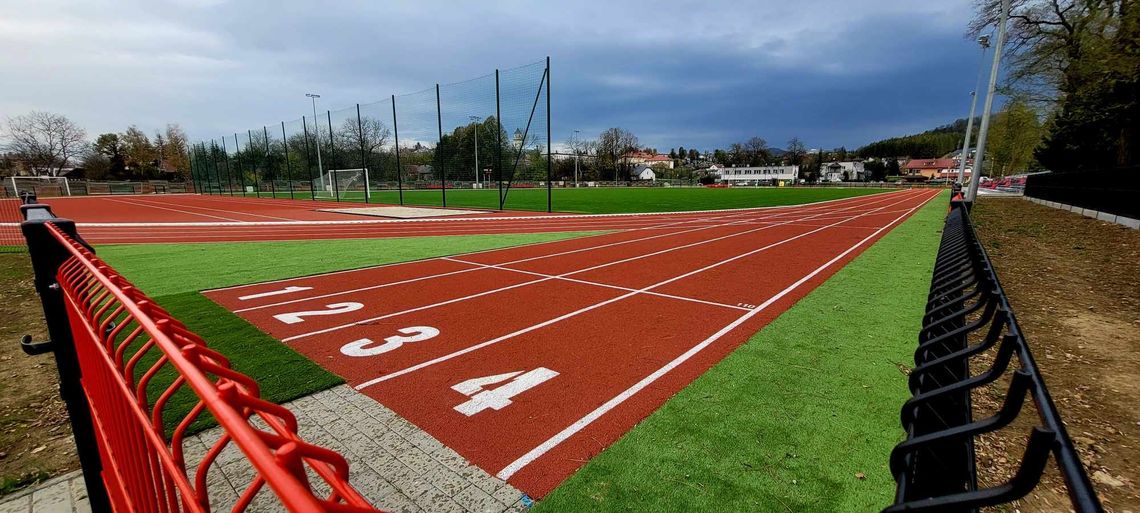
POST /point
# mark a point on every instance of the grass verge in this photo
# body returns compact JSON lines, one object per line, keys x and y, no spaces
{"x":800,"y":418}
{"x":610,"y":200}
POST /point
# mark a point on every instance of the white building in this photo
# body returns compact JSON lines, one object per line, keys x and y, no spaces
{"x":644,"y":172}
{"x":763,"y":175}
{"x":843,"y":171}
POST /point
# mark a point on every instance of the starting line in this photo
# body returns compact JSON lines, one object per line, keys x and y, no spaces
{"x":529,"y":374}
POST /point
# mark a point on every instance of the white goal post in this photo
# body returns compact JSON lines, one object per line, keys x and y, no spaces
{"x":31,"y":183}
{"x":345,"y":180}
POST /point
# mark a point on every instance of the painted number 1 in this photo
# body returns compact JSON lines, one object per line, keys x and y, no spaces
{"x":498,"y":397}
{"x":365,"y":347}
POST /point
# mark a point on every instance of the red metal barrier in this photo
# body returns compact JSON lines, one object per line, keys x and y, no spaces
{"x":139,"y":364}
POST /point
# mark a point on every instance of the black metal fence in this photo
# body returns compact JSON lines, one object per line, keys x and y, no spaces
{"x":970,"y":339}
{"x":463,"y":144}
{"x":1115,"y":191}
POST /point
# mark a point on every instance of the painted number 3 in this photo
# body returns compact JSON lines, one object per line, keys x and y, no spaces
{"x":498,"y":397}
{"x":366,"y":347}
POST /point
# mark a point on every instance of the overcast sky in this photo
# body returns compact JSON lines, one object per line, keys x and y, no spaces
{"x":692,"y":73}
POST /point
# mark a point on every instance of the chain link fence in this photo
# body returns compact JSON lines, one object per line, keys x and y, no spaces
{"x":480,"y":143}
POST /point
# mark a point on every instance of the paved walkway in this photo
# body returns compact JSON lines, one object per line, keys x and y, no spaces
{"x":394,"y":464}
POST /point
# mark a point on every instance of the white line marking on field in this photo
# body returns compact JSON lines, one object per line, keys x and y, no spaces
{"x":589,"y":418}
{"x":579,"y":311}
{"x":287,"y":290}
{"x":591,"y":268}
{"x":136,"y":204}
{"x":152,"y":203}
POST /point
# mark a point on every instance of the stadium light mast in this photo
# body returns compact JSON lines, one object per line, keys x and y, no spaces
{"x":976,"y":176}
{"x":984,"y":41}
{"x":317,"y":136}
{"x":574,"y":138}
{"x":477,"y":120}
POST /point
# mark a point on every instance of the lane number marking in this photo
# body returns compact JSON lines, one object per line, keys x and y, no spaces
{"x":499,"y":397}
{"x":332,"y":309}
{"x":746,"y":305}
{"x":412,"y":334}
{"x":287,"y":290}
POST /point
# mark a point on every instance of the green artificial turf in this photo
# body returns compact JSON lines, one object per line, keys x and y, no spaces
{"x":792,"y":419}
{"x":163,"y":269}
{"x":609,"y":200}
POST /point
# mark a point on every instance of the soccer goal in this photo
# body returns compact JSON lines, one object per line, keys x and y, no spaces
{"x":345,"y":182}
{"x":40,"y":185}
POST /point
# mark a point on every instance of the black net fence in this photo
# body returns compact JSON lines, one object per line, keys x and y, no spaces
{"x":480,"y":143}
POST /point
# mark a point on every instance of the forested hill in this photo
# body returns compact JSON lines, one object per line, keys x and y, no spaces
{"x":929,"y":144}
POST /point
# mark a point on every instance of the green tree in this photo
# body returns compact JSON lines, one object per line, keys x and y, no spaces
{"x":1014,"y":134}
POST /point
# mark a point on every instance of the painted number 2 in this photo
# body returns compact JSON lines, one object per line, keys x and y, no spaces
{"x":365,"y":347}
{"x":498,"y":397}
{"x":333,"y":309}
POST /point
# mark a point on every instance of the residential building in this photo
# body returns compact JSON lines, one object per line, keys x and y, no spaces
{"x":851,"y":170}
{"x":644,"y":172}
{"x":647,"y":158}
{"x":935,"y":169}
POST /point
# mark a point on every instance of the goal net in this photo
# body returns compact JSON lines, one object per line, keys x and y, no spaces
{"x":39,"y":185}
{"x":345,"y":183}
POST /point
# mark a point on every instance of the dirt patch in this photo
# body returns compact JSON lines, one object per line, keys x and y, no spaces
{"x":1074,"y":284}
{"x":35,"y":437}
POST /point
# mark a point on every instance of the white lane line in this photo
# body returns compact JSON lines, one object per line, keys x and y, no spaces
{"x":597,"y":284}
{"x":594,"y":415}
{"x":237,"y":222}
{"x":143,"y":205}
{"x":577,"y":312}
{"x":286,"y":290}
{"x":856,"y":200}
{"x":222,"y":210}
{"x":517,"y":285}
{"x":462,"y":271}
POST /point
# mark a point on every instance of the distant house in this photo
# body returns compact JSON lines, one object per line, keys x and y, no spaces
{"x":931,"y":169}
{"x":761,"y":175}
{"x":421,"y":172}
{"x":647,"y":158}
{"x":842,"y":171}
{"x":644,"y":172}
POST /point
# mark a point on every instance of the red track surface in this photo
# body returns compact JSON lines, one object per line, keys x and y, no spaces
{"x":577,"y":340}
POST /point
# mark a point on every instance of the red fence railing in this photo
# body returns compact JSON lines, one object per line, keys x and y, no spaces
{"x":146,"y":381}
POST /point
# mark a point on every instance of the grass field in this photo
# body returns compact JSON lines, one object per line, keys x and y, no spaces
{"x":611,"y":200}
{"x":790,"y":420}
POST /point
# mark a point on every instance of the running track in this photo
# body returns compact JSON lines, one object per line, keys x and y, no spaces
{"x":530,"y":360}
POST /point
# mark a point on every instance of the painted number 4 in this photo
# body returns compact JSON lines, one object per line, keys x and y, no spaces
{"x":498,"y":397}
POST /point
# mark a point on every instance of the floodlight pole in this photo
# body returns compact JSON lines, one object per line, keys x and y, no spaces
{"x":976,"y":176}
{"x":984,"y":41}
{"x":317,"y":137}
{"x":574,"y":141}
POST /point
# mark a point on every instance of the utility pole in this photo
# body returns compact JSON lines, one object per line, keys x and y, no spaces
{"x":476,"y":120}
{"x":984,"y":41}
{"x":976,"y":176}
{"x":574,"y":138}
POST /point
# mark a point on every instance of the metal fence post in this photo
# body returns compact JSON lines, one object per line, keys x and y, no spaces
{"x":332,"y":158}
{"x":47,"y":255}
{"x":229,"y":168}
{"x":399,"y":171}
{"x":214,"y":161}
{"x":272,"y":186}
{"x":549,"y":163}
{"x":363,"y":156}
{"x":499,"y":139}
{"x":241,"y":171}
{"x":288,"y":165}
{"x":439,"y":147}
{"x":256,"y":178}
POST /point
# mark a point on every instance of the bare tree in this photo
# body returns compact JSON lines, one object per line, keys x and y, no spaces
{"x":375,"y":134}
{"x":757,"y":150}
{"x":612,"y":144}
{"x":46,"y":141}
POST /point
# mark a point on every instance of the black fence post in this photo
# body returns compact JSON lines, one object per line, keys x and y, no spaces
{"x":256,"y":178}
{"x":332,"y":158}
{"x":439,"y":147}
{"x":288,"y":165}
{"x":363,"y":156}
{"x":229,"y":168}
{"x":214,"y":161}
{"x":399,"y":171}
{"x":549,"y":163}
{"x":193,"y":168}
{"x":309,"y":158}
{"x":272,"y":185}
{"x":499,"y":139}
{"x":47,"y":256}
{"x":237,"y":157}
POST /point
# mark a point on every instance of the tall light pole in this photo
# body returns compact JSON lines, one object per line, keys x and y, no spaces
{"x":984,"y":41}
{"x":574,"y":138}
{"x":976,"y":176}
{"x":317,"y":137}
{"x":476,"y":120}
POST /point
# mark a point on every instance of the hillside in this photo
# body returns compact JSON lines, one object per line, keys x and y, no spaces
{"x":932,"y":143}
